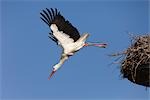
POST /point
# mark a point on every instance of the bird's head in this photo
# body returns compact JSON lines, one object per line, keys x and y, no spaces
{"x":55,"y":68}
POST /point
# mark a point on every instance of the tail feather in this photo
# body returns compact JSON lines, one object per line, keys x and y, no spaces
{"x":84,"y":37}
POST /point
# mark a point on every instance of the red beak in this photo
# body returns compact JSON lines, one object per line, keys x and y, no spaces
{"x":52,"y":73}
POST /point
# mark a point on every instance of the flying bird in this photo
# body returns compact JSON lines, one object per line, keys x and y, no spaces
{"x":65,"y":35}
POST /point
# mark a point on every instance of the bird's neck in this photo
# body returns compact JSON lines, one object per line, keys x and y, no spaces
{"x":62,"y":60}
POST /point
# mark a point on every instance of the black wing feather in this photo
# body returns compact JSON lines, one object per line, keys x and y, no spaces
{"x":56,"y":11}
{"x":45,"y":19}
{"x":49,"y":13}
{"x":53,"y":13}
{"x":54,"y":17}
{"x":52,"y":38}
{"x":48,"y":17}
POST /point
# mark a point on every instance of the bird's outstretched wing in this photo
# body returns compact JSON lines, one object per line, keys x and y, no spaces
{"x":52,"y":16}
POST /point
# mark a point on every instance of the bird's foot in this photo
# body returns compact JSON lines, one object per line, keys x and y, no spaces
{"x":101,"y":45}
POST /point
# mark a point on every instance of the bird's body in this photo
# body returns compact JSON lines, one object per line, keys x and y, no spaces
{"x":65,"y":35}
{"x":66,"y":42}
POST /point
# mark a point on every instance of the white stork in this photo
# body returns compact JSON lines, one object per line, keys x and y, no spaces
{"x":65,"y":35}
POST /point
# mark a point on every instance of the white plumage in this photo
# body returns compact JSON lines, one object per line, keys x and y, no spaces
{"x":65,"y":35}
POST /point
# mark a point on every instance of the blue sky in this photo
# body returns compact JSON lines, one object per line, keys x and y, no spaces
{"x":28,"y":54}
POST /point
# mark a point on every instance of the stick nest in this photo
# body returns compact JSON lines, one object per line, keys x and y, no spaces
{"x":135,"y":63}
